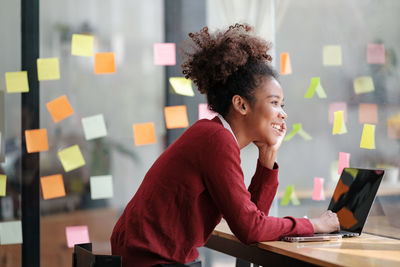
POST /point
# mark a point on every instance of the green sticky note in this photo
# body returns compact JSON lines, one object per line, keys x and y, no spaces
{"x":17,"y":82}
{"x":3,"y":182}
{"x":332,"y":55}
{"x":101,"y":187}
{"x":363,"y":85}
{"x":294,"y":199}
{"x":71,"y":158}
{"x":48,"y":69}
{"x":368,"y":137}
{"x":181,"y":86}
{"x":315,"y":86}
{"x":11,"y":233}
{"x":297,"y":129}
{"x":288,"y":193}
{"x":305,"y":135}
{"x":339,"y":127}
{"x":352,"y":172}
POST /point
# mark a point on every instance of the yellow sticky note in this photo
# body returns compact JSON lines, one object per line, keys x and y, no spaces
{"x":36,"y":140}
{"x":286,"y":66}
{"x":339,"y":127}
{"x":82,"y":45}
{"x":3,"y":182}
{"x":52,"y":186}
{"x":368,"y":136}
{"x":332,"y":55}
{"x":181,"y":86}
{"x":48,"y":69}
{"x":144,"y":134}
{"x":363,"y":85}
{"x":315,"y":86}
{"x":176,"y":117}
{"x":17,"y":82}
{"x":71,"y":158}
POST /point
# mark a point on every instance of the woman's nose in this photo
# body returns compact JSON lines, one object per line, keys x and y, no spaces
{"x":283,"y":114}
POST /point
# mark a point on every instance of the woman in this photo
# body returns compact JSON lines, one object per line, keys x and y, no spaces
{"x":198,"y":179}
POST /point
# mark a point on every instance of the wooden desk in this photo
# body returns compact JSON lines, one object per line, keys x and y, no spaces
{"x":366,"y":250}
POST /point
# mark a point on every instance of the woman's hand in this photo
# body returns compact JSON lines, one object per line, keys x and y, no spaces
{"x":326,"y":223}
{"x":267,"y":153}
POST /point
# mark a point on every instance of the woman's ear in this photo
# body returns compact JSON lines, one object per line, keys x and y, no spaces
{"x":240,"y":105}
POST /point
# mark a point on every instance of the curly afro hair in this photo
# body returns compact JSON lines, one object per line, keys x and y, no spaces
{"x":226,"y":63}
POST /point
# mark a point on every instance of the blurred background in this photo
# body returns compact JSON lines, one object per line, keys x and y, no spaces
{"x":139,"y":91}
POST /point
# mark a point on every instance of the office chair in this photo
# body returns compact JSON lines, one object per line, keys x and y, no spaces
{"x":83,"y":257}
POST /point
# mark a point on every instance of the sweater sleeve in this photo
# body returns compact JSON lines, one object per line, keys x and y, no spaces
{"x":224,"y":180}
{"x":263,"y":186}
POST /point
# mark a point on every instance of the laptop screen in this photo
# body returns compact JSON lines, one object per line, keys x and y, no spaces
{"x":353,"y":197}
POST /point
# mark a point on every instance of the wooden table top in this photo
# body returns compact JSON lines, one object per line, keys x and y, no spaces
{"x":365,"y":250}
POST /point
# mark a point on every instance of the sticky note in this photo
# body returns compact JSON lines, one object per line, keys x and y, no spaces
{"x":59,"y":108}
{"x":336,"y":106}
{"x":101,"y":187}
{"x":164,"y":54}
{"x":144,"y":134}
{"x":36,"y":140}
{"x":17,"y":82}
{"x":71,"y":158}
{"x":363,"y":85}
{"x":94,"y":127}
{"x":176,"y":117}
{"x":368,"y":137}
{"x":3,"y":183}
{"x":104,"y":63}
{"x":332,"y":55}
{"x":10,"y":233}
{"x":339,"y":127}
{"x":376,"y":53}
{"x":290,"y":196}
{"x":315,"y":86}
{"x":205,"y":112}
{"x":368,"y":113}
{"x":393,"y":127}
{"x":77,"y":235}
{"x":181,"y":86}
{"x":334,"y":171}
{"x":297,"y":129}
{"x":52,"y":186}
{"x":353,"y":172}
{"x":344,"y":161}
{"x":286,"y":67}
{"x":48,"y":69}
{"x":82,"y":45}
{"x":318,"y":192}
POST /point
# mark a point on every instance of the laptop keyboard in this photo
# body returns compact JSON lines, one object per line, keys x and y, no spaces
{"x":346,"y":234}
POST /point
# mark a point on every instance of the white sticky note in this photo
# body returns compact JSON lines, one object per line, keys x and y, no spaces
{"x":101,"y":187}
{"x":94,"y":127}
{"x":11,"y":233}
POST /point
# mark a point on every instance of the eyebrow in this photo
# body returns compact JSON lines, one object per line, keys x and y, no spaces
{"x":275,"y":96}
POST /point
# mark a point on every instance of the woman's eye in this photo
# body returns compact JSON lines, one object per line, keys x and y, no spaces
{"x":283,"y":105}
{"x":274,"y":102}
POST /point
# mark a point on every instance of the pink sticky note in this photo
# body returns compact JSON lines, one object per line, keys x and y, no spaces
{"x":77,"y":235}
{"x":376,"y":53}
{"x":336,"y":106}
{"x":205,"y":112}
{"x":344,"y":159}
{"x":318,"y":193}
{"x":164,"y":54}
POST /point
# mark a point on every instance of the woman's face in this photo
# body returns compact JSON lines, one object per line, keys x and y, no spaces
{"x":265,"y":121}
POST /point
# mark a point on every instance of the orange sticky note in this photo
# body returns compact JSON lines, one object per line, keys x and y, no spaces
{"x":176,"y":117}
{"x":286,"y":67}
{"x":52,"y":186}
{"x":367,"y":113}
{"x":104,"y":63}
{"x":393,"y":127}
{"x":318,"y":192}
{"x":36,"y":140}
{"x":144,"y":134}
{"x":59,"y":108}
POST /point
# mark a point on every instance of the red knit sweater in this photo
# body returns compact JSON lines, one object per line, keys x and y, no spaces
{"x":196,"y":181}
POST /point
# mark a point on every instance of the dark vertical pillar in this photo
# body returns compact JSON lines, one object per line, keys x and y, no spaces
{"x":30,"y":120}
{"x":182,"y":17}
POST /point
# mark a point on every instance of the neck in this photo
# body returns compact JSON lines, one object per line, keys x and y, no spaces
{"x":238,"y":129}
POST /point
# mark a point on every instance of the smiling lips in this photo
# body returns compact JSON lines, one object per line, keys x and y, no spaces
{"x":278,"y":127}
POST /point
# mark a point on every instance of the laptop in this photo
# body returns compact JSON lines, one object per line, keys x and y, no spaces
{"x":351,"y":201}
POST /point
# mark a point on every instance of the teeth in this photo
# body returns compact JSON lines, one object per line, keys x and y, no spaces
{"x":276,"y":126}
